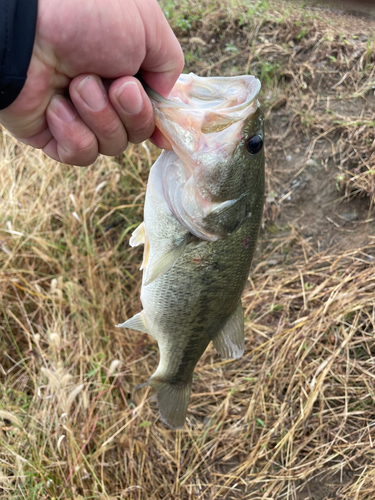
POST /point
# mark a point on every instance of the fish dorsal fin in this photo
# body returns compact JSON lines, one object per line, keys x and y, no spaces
{"x":229,"y":342}
{"x":137,"y":322}
{"x":138,"y":236}
{"x":163,"y":261}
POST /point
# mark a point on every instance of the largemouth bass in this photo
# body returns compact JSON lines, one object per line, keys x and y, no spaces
{"x":202,"y":214}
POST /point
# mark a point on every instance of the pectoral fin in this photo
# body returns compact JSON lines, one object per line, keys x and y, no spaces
{"x":137,"y":322}
{"x":161,"y":263}
{"x":229,"y":342}
{"x":146,"y":253}
{"x":138,"y":237}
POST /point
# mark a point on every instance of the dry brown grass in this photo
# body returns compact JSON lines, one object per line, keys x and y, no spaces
{"x":294,"y":418}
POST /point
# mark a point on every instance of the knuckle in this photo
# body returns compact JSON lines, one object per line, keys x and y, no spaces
{"x":140,"y":130}
{"x":84,"y":163}
{"x":83,"y":151}
{"x":84,"y":145}
{"x":113,"y":149}
{"x":110,"y":129}
{"x":112,"y":138}
{"x":78,"y":160}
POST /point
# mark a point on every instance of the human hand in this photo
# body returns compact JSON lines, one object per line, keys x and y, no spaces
{"x":75,"y":41}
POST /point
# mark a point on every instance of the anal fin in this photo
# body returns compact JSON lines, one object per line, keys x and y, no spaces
{"x":229,"y":342}
{"x":137,"y":322}
{"x":160,"y":264}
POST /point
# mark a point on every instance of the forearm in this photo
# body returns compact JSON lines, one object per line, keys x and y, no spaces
{"x":17,"y":32}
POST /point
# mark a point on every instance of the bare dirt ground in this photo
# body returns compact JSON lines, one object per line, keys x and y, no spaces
{"x":307,"y":166}
{"x":364,"y":9}
{"x":312,"y":200}
{"x":294,"y":418}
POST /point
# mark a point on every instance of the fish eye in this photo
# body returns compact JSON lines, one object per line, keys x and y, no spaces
{"x":254,"y":144}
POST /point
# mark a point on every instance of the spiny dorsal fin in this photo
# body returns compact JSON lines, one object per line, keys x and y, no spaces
{"x":161,"y":263}
{"x":229,"y":342}
{"x":137,"y":322}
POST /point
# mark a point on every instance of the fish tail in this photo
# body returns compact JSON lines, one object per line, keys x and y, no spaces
{"x":173,"y":400}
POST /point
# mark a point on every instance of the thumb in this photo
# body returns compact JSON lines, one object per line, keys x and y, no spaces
{"x":164,"y":59}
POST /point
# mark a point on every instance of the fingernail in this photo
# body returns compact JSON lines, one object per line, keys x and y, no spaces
{"x":130,"y":98}
{"x":62,"y":108}
{"x":93,"y":93}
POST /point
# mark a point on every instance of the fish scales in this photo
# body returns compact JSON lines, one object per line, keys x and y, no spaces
{"x":203,"y":209}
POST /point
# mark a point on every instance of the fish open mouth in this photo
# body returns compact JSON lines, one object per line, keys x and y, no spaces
{"x":206,"y":114}
{"x":216,"y":93}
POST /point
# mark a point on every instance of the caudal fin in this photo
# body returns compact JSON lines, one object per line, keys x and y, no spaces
{"x":173,"y":400}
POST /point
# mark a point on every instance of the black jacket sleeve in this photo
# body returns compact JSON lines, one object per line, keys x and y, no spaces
{"x":17,"y":32}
